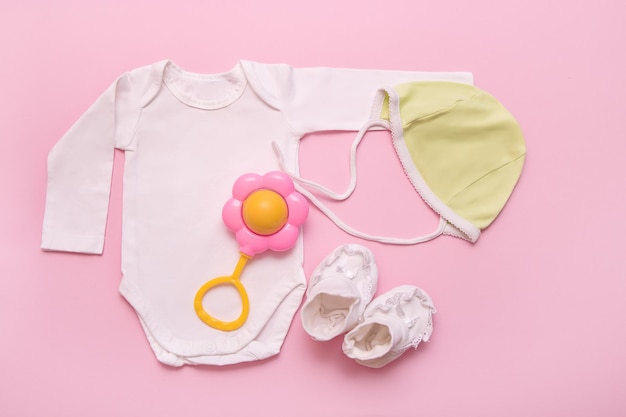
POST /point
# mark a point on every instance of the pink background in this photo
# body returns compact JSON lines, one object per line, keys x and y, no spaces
{"x":532,"y":318}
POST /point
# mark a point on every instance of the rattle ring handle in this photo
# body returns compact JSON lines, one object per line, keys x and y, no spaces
{"x":225,"y":280}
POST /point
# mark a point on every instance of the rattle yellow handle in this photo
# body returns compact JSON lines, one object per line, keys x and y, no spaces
{"x":225,"y":280}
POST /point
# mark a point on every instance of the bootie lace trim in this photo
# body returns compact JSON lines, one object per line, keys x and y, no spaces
{"x":396,"y":301}
{"x":342,"y":268}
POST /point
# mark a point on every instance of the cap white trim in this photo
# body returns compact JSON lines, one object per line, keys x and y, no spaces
{"x":464,"y":228}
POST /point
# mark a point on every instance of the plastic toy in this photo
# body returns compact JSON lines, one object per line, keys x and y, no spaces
{"x":265,"y":212}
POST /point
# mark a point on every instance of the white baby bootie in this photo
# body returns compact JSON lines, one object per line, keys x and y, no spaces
{"x":392,"y":323}
{"x":339,"y":289}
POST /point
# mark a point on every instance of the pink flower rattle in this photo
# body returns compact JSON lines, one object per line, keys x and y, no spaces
{"x":265,"y":212}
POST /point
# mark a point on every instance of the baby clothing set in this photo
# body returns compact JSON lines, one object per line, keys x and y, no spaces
{"x":188,"y":136}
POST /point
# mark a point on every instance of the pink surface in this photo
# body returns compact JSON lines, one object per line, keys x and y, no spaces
{"x":531,"y":319}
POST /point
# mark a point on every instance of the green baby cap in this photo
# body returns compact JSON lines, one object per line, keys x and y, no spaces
{"x":460,"y":148}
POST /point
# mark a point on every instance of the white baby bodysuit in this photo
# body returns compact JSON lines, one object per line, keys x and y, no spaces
{"x":186,"y":138}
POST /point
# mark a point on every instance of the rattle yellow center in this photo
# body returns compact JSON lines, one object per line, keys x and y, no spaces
{"x":265,"y":212}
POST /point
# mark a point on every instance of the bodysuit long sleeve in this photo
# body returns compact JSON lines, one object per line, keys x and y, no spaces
{"x":79,"y":172}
